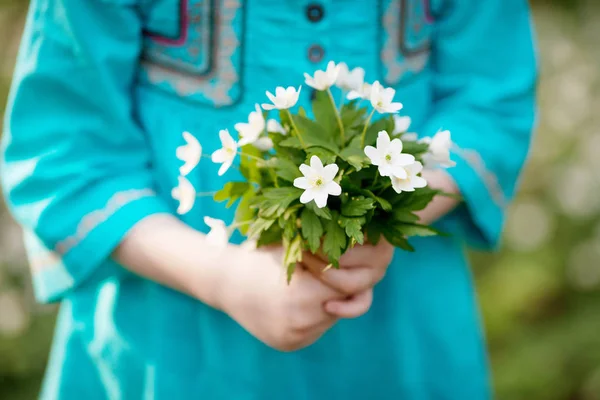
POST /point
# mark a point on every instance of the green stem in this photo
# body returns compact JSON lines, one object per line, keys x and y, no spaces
{"x":364,"y":132}
{"x":342,"y":97}
{"x":241,"y":153}
{"x":376,"y":177}
{"x":241,"y":223}
{"x":205,"y":194}
{"x":296,"y":129}
{"x":271,"y":170}
{"x":274,"y":177}
{"x":337,"y":116}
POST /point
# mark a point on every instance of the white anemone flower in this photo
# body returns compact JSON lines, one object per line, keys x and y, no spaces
{"x":227,"y":153}
{"x":401,"y":124}
{"x":264,"y":143}
{"x":317,"y":182}
{"x":323,"y":80}
{"x":283,"y":98}
{"x":218,"y":236}
{"x":412,"y":180}
{"x":189,"y":153}
{"x":185,"y":194}
{"x":274,"y":126}
{"x":251,"y":130}
{"x":382,"y":99}
{"x":388,"y":157}
{"x":363,"y":92}
{"x":439,"y":150}
{"x":350,"y":80}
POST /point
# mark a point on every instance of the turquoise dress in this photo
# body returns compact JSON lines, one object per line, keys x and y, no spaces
{"x":103,"y":90}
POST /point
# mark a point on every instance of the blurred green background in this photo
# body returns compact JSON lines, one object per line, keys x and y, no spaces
{"x":540,"y":295}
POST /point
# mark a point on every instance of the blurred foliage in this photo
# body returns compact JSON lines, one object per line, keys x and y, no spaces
{"x":540,"y":296}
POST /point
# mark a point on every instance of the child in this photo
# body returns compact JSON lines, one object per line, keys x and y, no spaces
{"x":102,"y":92}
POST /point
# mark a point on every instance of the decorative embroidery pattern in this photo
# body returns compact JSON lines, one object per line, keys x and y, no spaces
{"x":95,"y":218}
{"x":406,"y":34}
{"x":490,"y":180}
{"x":210,"y":69}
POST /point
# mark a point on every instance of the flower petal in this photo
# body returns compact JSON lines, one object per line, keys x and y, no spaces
{"x":383,"y":141}
{"x":399,"y":172}
{"x":307,"y":196}
{"x":316,"y":164}
{"x":414,"y":168}
{"x":373,"y":154}
{"x":224,"y":167}
{"x":396,"y":146}
{"x":321,"y":198}
{"x":219,"y":156}
{"x":419,"y":182}
{"x":333,"y":189}
{"x":268,"y":107}
{"x":301,"y":183}
{"x":330,"y":171}
{"x":405,"y":159}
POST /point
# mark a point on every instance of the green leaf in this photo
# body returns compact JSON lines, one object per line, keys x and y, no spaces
{"x":244,"y":212}
{"x":335,"y":241}
{"x":293,"y":255}
{"x":259,"y":226}
{"x":417,"y":200}
{"x":397,"y":240}
{"x":232,"y":191}
{"x":323,"y":112}
{"x":275,"y":201}
{"x":353,"y":228}
{"x":285,"y":169}
{"x":373,"y":130}
{"x":374,"y":231}
{"x":357,"y":206}
{"x":314,"y":134}
{"x":414,"y":148}
{"x":385,"y":205}
{"x":284,"y":194}
{"x":320,"y":212}
{"x":352,"y":116}
{"x":270,"y":236}
{"x":312,"y":230}
{"x":248,"y":165}
{"x":401,"y":215}
{"x":354,"y":156}
{"x":408,"y":229}
{"x":289,"y":229}
{"x":326,"y":156}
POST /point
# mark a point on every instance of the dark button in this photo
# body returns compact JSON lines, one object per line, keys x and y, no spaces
{"x":315,"y":53}
{"x":314,"y":12}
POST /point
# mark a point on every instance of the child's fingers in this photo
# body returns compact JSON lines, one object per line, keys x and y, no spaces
{"x":351,"y":308}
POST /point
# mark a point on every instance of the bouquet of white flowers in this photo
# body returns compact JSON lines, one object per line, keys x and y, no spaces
{"x":323,"y":184}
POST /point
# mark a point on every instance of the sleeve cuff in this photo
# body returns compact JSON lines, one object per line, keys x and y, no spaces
{"x":81,"y":258}
{"x":481,"y":216}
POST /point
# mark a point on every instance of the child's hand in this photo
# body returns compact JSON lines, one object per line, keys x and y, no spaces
{"x":361,"y":268}
{"x":285,"y":317}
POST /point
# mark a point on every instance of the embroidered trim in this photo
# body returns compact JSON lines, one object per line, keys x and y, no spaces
{"x":42,"y":261}
{"x":183,"y":22}
{"x":397,"y":57}
{"x":490,"y":180}
{"x":218,"y":84}
{"x":95,"y":218}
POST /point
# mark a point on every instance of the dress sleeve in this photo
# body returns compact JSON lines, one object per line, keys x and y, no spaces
{"x":77,"y":171}
{"x":485,"y":75}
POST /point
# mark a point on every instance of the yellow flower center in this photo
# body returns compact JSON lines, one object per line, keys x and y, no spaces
{"x":318,"y":182}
